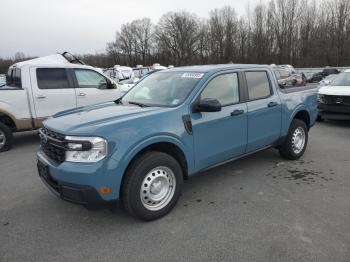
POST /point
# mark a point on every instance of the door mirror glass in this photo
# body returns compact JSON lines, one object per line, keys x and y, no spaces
{"x":207,"y":105}
{"x":110,"y":85}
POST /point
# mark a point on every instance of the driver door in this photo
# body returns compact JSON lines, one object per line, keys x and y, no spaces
{"x":92,"y":87}
{"x":220,"y":136}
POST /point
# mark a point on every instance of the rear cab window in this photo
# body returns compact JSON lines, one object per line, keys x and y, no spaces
{"x":13,"y":78}
{"x":52,"y":78}
{"x":258,"y":85}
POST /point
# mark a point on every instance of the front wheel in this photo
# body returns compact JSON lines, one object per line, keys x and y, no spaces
{"x":6,"y":138}
{"x":296,"y":141}
{"x":152,"y":185}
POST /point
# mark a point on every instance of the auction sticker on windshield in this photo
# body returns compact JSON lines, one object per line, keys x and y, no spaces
{"x":193,"y":75}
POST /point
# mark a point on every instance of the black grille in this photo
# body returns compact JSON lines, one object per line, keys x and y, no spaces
{"x":338,"y":100}
{"x":53,"y":145}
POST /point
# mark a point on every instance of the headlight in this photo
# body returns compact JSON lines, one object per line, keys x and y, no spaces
{"x":320,"y":98}
{"x":85,"y":149}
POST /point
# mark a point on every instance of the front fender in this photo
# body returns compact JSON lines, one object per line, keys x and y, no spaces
{"x":125,"y":155}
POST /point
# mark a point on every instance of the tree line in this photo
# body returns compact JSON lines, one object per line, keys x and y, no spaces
{"x":299,"y":32}
{"x":304,"y":33}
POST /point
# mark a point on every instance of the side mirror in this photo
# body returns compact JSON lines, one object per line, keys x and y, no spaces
{"x":111,"y":85}
{"x":207,"y":105}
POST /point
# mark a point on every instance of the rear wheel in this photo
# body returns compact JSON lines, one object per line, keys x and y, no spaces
{"x":152,"y":185}
{"x":296,"y":141}
{"x":6,"y":138}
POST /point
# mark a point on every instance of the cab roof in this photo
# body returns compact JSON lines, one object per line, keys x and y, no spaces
{"x":55,"y":59}
{"x":215,"y":68}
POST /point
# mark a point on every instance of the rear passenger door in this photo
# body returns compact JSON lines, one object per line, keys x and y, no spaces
{"x":219,"y":136}
{"x":264,"y":110}
{"x":53,"y":91}
{"x":92,"y":87}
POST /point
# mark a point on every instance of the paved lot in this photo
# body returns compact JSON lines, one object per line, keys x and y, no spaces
{"x":261,"y":208}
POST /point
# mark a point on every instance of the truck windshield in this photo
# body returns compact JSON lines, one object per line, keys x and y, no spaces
{"x":163,"y":89}
{"x":343,"y":79}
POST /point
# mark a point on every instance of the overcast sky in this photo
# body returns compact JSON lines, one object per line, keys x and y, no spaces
{"x":41,"y":27}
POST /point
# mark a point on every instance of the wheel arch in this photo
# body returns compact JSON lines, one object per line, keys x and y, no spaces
{"x":303,"y":115}
{"x":168,"y":145}
{"x":7,"y":120}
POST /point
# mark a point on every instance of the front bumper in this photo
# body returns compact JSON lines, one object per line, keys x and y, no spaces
{"x":80,"y":182}
{"x":334,"y":112}
{"x":78,"y":194}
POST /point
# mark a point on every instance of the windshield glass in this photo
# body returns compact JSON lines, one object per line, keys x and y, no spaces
{"x":343,"y":79}
{"x":163,"y":89}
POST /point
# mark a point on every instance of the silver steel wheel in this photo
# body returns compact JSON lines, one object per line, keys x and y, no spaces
{"x":298,"y":140}
{"x":158,"y":188}
{"x":2,"y":139}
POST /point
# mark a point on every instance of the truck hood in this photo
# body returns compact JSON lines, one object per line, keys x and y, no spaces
{"x":88,"y":120}
{"x":335,"y":90}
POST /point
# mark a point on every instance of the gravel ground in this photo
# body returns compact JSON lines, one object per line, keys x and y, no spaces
{"x":260,"y":208}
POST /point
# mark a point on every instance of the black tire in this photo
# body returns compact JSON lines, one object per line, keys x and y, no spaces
{"x":8,"y":137}
{"x":134,"y":181}
{"x":319,"y":118}
{"x":286,"y":149}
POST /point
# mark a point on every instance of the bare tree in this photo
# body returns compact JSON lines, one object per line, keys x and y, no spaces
{"x":177,"y":36}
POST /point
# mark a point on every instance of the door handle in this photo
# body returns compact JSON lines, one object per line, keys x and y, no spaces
{"x":237,"y":112}
{"x":81,"y":94}
{"x":40,"y":97}
{"x":272,"y":104}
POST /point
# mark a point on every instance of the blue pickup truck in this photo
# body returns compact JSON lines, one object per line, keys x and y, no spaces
{"x":171,"y":125}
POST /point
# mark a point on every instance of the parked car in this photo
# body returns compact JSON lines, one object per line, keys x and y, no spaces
{"x":327,"y":80}
{"x":283,"y":75}
{"x":39,"y":88}
{"x":119,"y":73}
{"x":170,"y":126}
{"x":334,"y":99}
{"x":158,"y":67}
{"x":290,"y":68}
{"x":126,"y":85}
{"x":124,"y":72}
{"x":287,"y":79}
{"x":308,"y":76}
{"x":330,"y":71}
{"x":299,"y":79}
{"x":317,"y":77}
{"x":141,"y":71}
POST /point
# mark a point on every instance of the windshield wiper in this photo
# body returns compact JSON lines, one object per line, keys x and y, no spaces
{"x":138,"y":104}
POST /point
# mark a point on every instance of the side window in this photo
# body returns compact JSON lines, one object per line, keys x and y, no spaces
{"x":258,"y":85}
{"x":90,"y":79}
{"x":13,"y":78}
{"x":52,"y":78}
{"x":223,"y":88}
